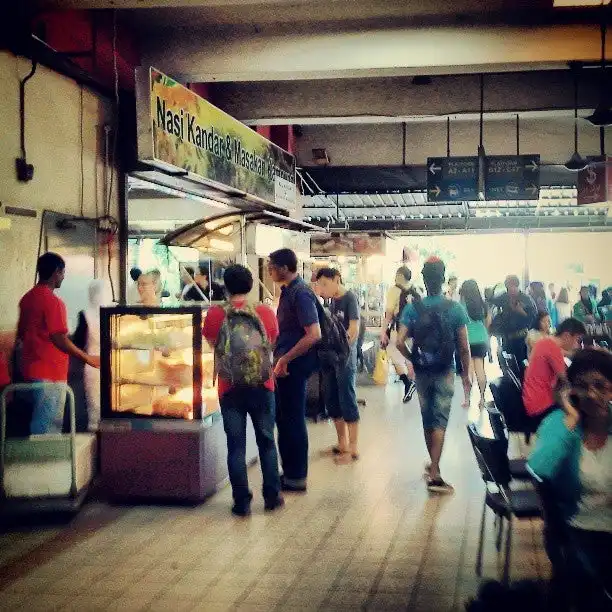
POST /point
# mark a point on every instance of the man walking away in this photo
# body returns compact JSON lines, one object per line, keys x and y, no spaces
{"x":296,"y":359}
{"x":339,"y":379}
{"x":398,"y":296}
{"x":45,"y":346}
{"x":243,"y":337}
{"x":437,"y":325}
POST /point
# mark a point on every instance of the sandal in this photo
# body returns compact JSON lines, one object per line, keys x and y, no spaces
{"x":346,"y":458}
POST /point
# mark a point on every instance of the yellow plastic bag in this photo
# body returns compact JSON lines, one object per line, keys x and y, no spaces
{"x":381,"y":369}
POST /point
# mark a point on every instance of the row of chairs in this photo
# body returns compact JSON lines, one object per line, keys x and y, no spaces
{"x":575,"y":584}
{"x":498,"y":471}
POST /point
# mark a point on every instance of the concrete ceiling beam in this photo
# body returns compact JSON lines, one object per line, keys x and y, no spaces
{"x":204,"y":56}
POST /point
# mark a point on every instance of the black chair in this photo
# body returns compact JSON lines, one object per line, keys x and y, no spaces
{"x":509,"y":401}
{"x":518,"y":467}
{"x":510,"y":367}
{"x":506,"y":503}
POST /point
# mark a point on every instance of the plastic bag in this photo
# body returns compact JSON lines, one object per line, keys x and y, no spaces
{"x":381,"y":369}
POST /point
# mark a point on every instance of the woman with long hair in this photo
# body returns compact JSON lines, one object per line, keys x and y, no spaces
{"x":586,"y":309}
{"x":562,"y":305}
{"x":478,"y":331}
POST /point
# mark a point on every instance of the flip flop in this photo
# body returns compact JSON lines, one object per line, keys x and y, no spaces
{"x":346,"y":458}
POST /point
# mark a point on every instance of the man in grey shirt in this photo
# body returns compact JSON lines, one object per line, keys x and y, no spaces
{"x":339,"y":381}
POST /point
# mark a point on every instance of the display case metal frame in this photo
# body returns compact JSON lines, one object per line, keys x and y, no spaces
{"x":107,"y":349}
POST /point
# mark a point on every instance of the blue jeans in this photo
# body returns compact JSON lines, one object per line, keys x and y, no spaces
{"x":258,"y":403}
{"x":339,"y":390}
{"x":47,"y":407}
{"x":291,"y":423}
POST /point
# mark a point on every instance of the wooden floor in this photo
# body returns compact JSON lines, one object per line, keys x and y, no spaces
{"x":366,"y":536}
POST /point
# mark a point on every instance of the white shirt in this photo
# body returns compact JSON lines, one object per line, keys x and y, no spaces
{"x":595,"y":506}
{"x":564,"y":311}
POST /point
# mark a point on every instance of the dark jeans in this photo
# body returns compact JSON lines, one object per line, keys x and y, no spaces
{"x":592,"y":570}
{"x":258,"y":403}
{"x":291,"y":423}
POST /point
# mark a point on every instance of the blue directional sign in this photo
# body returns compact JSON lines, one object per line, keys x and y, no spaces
{"x":512,"y":177}
{"x":452,"y":179}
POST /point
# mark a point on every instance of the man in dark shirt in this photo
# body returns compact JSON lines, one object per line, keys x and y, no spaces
{"x":518,"y":313}
{"x":295,"y":357}
{"x":203,"y":288}
{"x":339,"y":380}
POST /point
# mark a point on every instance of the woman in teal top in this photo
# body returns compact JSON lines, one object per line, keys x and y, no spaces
{"x":586,"y":309}
{"x":477,"y":328}
{"x":575,"y":460}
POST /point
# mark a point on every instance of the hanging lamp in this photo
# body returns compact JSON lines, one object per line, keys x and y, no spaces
{"x":576,"y":162}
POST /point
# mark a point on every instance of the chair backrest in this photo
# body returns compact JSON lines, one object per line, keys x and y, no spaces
{"x":509,"y":401}
{"x":510,"y":367}
{"x":491,"y":456}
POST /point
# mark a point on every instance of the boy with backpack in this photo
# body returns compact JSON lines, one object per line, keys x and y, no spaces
{"x":243,"y":336}
{"x":436,"y":325}
{"x":340,"y":373}
{"x":398,"y":296}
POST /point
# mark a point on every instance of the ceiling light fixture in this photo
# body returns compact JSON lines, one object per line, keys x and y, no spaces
{"x":576,"y":162}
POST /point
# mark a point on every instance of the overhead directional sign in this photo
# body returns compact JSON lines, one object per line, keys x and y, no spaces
{"x":452,"y":179}
{"x":512,"y":177}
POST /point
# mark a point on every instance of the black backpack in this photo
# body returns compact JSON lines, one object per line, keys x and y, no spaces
{"x":334,"y":348}
{"x":433,"y":337}
{"x":404,"y":294}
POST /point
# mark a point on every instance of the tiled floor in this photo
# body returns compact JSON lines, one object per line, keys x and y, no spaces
{"x":366,"y":536}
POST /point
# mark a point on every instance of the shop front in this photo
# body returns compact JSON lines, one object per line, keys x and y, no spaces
{"x":204,"y":190}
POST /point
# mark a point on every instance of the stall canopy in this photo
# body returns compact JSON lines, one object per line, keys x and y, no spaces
{"x":185,"y":142}
{"x":198,"y":235}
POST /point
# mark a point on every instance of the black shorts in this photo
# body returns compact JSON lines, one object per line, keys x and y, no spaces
{"x":479,"y":351}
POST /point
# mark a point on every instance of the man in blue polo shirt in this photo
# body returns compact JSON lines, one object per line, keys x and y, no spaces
{"x":296,"y":360}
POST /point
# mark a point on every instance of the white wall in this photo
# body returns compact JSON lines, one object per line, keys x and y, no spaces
{"x":53,"y":146}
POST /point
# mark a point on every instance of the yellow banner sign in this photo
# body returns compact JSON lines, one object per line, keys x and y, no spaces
{"x":185,"y":132}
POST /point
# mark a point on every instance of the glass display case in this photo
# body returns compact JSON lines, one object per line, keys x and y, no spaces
{"x":155,"y":365}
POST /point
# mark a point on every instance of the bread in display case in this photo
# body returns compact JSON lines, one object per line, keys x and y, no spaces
{"x":155,"y":365}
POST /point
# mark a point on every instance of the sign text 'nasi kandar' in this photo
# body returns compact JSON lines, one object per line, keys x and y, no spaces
{"x":185,"y":132}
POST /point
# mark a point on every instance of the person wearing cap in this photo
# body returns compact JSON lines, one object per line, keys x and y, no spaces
{"x":517,"y":315}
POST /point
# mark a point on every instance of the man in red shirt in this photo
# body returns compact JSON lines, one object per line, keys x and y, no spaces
{"x":237,"y":402}
{"x":546,"y":366}
{"x":45,"y":346}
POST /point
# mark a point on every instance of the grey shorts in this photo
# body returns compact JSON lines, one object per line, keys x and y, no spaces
{"x":435,"y":396}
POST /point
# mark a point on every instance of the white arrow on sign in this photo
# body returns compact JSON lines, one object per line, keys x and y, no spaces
{"x":433,"y":168}
{"x":532,"y":189}
{"x":436,"y":191}
{"x":532,"y":166}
